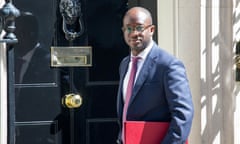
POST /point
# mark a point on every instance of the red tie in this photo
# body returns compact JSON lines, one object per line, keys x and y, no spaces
{"x":129,"y":91}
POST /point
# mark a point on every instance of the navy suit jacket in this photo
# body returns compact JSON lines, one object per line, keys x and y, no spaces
{"x":161,"y":94}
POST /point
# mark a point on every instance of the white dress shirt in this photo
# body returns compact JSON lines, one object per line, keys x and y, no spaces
{"x":142,"y":59}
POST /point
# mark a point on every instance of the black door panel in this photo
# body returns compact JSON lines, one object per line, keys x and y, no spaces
{"x":37,"y":91}
{"x":40,"y":133}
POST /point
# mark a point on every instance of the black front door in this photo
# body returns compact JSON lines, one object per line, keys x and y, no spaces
{"x":40,"y":115}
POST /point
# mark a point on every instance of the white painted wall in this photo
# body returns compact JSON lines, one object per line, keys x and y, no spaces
{"x":236,"y":85}
{"x":217,"y":72}
{"x":203,"y":34}
{"x":179,"y":33}
{"x":3,"y":90}
{"x":3,"y":95}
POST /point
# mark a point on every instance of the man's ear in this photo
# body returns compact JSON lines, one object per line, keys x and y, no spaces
{"x":152,"y":29}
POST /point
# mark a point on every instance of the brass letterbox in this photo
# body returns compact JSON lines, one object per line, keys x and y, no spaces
{"x":71,"y":56}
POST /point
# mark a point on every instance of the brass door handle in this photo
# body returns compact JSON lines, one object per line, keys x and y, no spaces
{"x":72,"y":100}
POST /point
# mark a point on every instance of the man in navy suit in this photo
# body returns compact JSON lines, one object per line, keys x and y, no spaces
{"x":161,"y":90}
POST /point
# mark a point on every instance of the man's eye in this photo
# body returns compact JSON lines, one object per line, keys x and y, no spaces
{"x":129,"y":29}
{"x":139,"y":28}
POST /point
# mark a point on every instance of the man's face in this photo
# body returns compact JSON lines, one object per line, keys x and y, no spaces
{"x":137,"y":30}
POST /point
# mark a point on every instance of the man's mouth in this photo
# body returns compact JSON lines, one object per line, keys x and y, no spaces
{"x":135,"y":40}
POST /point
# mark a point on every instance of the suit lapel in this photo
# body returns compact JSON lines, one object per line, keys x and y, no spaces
{"x":123,"y":70}
{"x":147,"y":66}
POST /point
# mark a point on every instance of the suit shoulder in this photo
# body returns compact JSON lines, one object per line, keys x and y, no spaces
{"x":164,"y":58}
{"x":125,"y":59}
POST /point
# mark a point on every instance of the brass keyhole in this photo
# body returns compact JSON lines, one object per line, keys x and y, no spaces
{"x":72,"y":100}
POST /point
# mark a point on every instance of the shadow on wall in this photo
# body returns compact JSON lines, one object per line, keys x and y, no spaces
{"x":217,"y":98}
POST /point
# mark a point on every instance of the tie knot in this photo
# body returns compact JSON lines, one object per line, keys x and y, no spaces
{"x":135,"y":59}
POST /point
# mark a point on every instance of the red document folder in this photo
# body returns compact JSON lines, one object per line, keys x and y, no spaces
{"x":139,"y":132}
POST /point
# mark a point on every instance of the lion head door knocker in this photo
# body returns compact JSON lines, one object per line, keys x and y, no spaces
{"x":72,"y":16}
